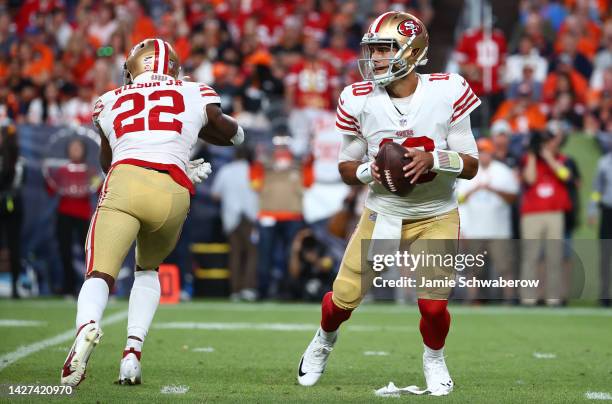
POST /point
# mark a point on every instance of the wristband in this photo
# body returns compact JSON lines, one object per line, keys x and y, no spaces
{"x":364,"y":173}
{"x":238,"y":137}
{"x":447,"y":161}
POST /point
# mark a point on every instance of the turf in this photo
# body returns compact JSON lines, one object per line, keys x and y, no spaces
{"x":490,"y":353}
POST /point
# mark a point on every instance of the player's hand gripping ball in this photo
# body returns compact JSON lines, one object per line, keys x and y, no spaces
{"x":390,"y":161}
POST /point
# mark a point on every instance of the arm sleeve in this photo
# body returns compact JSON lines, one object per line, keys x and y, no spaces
{"x":461,"y":139}
{"x":353,"y":148}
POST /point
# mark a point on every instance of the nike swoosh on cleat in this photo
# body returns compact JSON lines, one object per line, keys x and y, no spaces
{"x":66,"y":371}
{"x":300,"y":373}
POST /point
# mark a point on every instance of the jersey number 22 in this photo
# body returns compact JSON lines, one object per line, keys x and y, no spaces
{"x":154,"y":123}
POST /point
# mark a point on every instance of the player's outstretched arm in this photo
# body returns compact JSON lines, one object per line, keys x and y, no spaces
{"x":221,"y":129}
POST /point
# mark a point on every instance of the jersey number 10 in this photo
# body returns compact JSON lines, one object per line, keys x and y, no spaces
{"x":154,"y":123}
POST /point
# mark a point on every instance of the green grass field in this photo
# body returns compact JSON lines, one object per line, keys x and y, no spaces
{"x":231,"y":353}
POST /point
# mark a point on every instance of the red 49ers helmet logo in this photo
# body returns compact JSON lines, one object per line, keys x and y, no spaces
{"x":409,"y":28}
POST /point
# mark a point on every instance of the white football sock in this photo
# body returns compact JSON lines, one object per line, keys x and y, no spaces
{"x":133,"y":343}
{"x":434,"y":353}
{"x":328,"y":336}
{"x":144,"y":299}
{"x":92,"y":301}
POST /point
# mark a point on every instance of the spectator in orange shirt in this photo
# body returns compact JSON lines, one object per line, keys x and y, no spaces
{"x":585,"y":32}
{"x":523,"y":113}
{"x":36,"y":61}
{"x":564,"y":68}
{"x":142,"y":26}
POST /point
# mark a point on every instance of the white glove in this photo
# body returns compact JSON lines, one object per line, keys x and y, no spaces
{"x":198,"y":170}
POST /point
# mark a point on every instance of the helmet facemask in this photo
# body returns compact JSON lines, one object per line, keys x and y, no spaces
{"x":397,"y":65}
{"x":127,"y":76}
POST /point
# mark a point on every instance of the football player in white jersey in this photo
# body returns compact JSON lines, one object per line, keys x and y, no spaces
{"x":147,"y":129}
{"x":429,"y":115}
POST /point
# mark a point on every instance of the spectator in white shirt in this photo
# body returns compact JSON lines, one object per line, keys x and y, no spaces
{"x":527,"y":56}
{"x":239,"y":208}
{"x":485,"y":211}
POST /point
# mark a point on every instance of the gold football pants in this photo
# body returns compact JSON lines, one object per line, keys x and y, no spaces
{"x":354,"y":279}
{"x":135,"y":204}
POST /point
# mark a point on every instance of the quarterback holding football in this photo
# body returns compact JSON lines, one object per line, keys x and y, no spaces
{"x":411,"y":200}
{"x":147,"y":129}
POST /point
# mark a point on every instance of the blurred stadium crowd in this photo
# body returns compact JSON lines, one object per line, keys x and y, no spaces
{"x":279,"y":67}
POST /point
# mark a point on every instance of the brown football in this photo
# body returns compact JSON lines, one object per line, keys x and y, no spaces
{"x":390,"y":160}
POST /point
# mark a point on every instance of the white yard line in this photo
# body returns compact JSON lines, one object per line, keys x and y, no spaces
{"x":366,"y":308}
{"x":228,"y":326}
{"x":392,"y":309}
{"x":173,"y":389}
{"x":206,"y":349}
{"x":544,"y":355}
{"x":9,"y":322}
{"x":598,"y":395}
{"x":27,"y":350}
{"x":376,"y":353}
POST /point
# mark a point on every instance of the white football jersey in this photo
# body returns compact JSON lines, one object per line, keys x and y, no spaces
{"x":154,"y":122}
{"x":327,"y":193}
{"x":325,"y":146}
{"x":439,"y":102}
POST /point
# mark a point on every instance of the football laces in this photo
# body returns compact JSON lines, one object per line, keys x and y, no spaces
{"x":389,"y":179}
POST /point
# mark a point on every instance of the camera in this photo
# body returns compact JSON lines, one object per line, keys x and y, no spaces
{"x":537,"y":140}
